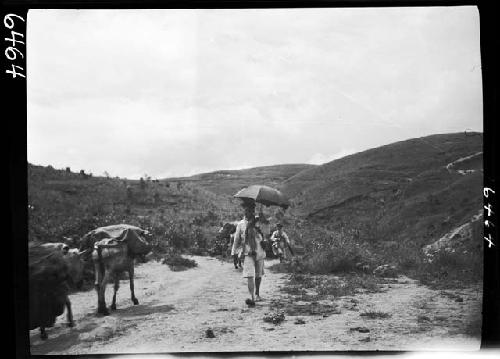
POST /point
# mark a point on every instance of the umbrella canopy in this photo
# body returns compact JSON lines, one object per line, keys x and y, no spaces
{"x":265,"y":195}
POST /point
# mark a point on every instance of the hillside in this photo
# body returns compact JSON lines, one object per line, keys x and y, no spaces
{"x":380,"y":206}
{"x":228,"y":182}
{"x":66,"y":204}
{"x":410,"y":191}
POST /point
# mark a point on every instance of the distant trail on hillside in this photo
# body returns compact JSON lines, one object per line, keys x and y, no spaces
{"x":450,"y":165}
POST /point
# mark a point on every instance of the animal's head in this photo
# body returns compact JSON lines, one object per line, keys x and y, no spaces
{"x":86,"y":245}
{"x":71,"y":241}
{"x":74,"y":260}
{"x":138,"y":243}
{"x":56,"y":246}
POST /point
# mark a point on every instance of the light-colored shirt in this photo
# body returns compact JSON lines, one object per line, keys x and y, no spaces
{"x":239,"y":239}
{"x":280,"y":236}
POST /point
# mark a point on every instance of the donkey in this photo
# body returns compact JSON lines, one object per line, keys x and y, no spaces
{"x":111,"y":257}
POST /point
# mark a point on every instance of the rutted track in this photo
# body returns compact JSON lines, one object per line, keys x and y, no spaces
{"x":176,"y":308}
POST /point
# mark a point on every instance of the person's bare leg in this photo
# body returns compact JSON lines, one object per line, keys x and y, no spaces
{"x":251,"y":289}
{"x":257,"y":288}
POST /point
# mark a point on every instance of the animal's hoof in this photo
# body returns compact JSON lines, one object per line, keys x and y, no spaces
{"x":71,"y":324}
{"x":103,"y":311}
{"x":135,"y":301}
{"x":113,"y":306}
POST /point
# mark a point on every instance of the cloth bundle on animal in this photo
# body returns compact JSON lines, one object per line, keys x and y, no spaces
{"x":46,"y":264}
{"x":117,"y":234}
{"x":48,"y":287}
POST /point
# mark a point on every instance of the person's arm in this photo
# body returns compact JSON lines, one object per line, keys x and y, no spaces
{"x":273,"y":236}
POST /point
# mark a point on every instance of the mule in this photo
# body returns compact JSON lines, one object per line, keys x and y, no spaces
{"x":111,"y":257}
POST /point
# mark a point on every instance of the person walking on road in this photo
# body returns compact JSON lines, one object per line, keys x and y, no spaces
{"x":249,"y":238}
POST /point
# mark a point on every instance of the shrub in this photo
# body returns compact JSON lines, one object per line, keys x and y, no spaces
{"x":339,"y":259}
{"x":176,"y":262}
{"x":375,"y":315}
{"x":452,"y":269}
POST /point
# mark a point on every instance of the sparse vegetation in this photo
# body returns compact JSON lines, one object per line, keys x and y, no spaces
{"x":325,"y":286}
{"x":63,"y":205}
{"x":274,"y":318}
{"x":375,"y":315}
{"x":351,"y":215}
{"x":177,"y":262}
{"x":391,"y":208}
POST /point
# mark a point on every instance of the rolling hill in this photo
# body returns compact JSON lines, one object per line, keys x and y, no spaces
{"x":67,"y":204}
{"x":383,"y":205}
{"x":228,"y":182}
{"x":415,"y":190}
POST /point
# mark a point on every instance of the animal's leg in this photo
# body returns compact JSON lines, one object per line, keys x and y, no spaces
{"x":115,"y":288}
{"x":69,"y":313}
{"x":98,"y":277}
{"x":131,"y":281}
{"x":101,"y":302}
{"x":43,"y":333}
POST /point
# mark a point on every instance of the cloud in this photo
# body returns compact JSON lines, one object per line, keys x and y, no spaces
{"x":182,"y":91}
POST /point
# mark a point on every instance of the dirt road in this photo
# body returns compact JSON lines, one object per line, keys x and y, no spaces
{"x":177,"y":308}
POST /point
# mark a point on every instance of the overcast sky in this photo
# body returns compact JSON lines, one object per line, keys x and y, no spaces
{"x":179,"y":92}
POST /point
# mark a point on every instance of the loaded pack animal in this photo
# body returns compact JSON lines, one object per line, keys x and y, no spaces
{"x":222,"y":244}
{"x":113,"y":250}
{"x":53,"y":267}
{"x":225,"y":239}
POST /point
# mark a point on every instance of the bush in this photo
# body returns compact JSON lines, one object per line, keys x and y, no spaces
{"x":176,"y":262}
{"x":375,"y":315}
{"x":332,"y":260}
{"x":452,"y":269}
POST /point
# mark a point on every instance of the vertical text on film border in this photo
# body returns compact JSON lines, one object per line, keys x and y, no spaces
{"x":13,"y":53}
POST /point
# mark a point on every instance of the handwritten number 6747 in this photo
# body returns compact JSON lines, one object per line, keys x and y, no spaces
{"x":12,"y":52}
{"x":9,"y":22}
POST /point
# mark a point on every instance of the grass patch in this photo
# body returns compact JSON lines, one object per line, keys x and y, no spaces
{"x":291,"y":308}
{"x":177,"y":262}
{"x":328,"y":286}
{"x":451,"y":271}
{"x":294,"y":290}
{"x":473,"y":327}
{"x":303,"y":280}
{"x":375,"y":315}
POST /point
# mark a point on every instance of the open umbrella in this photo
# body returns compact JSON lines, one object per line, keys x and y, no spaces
{"x":265,"y":195}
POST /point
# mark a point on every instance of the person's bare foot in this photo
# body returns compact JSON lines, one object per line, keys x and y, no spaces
{"x":250,"y":302}
{"x":258,"y":298}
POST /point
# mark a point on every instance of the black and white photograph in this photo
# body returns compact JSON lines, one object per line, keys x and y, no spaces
{"x":255,"y":180}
